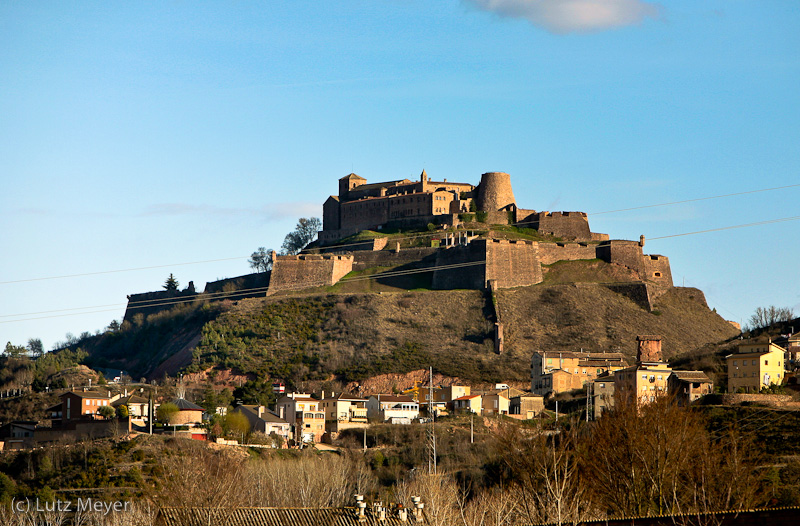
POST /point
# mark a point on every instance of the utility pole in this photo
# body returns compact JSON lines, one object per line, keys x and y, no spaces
{"x":432,"y":429}
{"x":588,"y":394}
{"x":150,"y":412}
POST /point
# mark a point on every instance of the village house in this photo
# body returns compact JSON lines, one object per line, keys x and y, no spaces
{"x":138,"y":406}
{"x":755,"y":365}
{"x":438,"y":405}
{"x":561,"y":371}
{"x":304,"y":414}
{"x":494,"y":403}
{"x":688,"y":386}
{"x":471,"y":403}
{"x":525,"y":406}
{"x":81,"y":405}
{"x":643,"y":382}
{"x":342,"y":412}
{"x":187,"y":421}
{"x":602,"y":393}
{"x":17,"y":435}
{"x":396,"y":409}
{"x":791,"y":345}
{"x":262,"y":420}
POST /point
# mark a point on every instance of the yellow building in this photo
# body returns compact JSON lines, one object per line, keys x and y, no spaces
{"x":754,"y":366}
{"x":643,"y":382}
{"x":561,"y":371}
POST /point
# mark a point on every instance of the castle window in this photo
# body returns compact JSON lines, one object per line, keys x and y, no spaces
{"x":657,"y":274}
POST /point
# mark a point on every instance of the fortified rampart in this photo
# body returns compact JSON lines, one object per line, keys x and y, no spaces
{"x":460,"y":267}
{"x":550,"y":253}
{"x":512,"y":263}
{"x":390,"y":258}
{"x":307,"y":271}
{"x":148,"y":303}
{"x":247,"y":286}
{"x":566,"y":225}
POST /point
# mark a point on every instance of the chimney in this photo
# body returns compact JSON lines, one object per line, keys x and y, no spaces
{"x":648,"y":349}
{"x":323,"y":395}
{"x":360,"y":506}
{"x":402,"y":513}
{"x":418,"y":506}
{"x":260,"y":411}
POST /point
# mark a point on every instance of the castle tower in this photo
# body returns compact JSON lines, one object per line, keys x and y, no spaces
{"x":649,"y":349}
{"x":349,"y":182}
{"x":494,"y":192}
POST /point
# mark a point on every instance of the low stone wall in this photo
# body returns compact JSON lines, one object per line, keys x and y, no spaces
{"x":148,"y":303}
{"x":550,"y":253}
{"x":775,"y":400}
{"x":247,"y":286}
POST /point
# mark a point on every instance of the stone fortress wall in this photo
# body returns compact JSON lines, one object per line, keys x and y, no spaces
{"x":291,"y":273}
{"x":407,"y":203}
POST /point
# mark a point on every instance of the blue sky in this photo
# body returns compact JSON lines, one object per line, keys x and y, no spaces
{"x":149,"y":134}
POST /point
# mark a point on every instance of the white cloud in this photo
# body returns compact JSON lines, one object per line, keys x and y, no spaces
{"x":566,"y":16}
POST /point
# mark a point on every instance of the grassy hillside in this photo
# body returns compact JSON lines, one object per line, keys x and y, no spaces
{"x":366,"y":327}
{"x":354,"y":336}
{"x":593,"y":318}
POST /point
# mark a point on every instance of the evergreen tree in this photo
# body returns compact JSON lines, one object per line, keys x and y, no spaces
{"x":171,"y":283}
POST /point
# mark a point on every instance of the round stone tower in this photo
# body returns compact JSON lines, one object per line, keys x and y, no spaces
{"x":494,"y":192}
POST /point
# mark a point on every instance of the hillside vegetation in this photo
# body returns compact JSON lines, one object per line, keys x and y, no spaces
{"x":355,"y":336}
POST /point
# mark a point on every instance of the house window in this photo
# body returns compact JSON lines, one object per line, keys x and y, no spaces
{"x":754,"y":362}
{"x":766,"y":362}
{"x":734,"y":362}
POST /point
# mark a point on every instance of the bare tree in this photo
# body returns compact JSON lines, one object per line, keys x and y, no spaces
{"x":307,"y":481}
{"x":206,"y":482}
{"x":659,"y":458}
{"x":546,"y":466}
{"x":440,"y":495}
{"x":765,"y":316}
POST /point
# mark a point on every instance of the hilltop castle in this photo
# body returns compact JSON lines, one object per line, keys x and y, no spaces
{"x":489,"y":262}
{"x":456,"y":260}
{"x":405,"y":203}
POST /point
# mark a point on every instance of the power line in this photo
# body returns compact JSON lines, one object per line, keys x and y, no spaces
{"x":237,"y":294}
{"x":680,"y":202}
{"x":696,"y":199}
{"x":203,"y":296}
{"x":770,"y":221}
{"x":119,"y":270}
{"x":429,"y":234}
